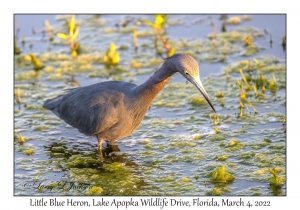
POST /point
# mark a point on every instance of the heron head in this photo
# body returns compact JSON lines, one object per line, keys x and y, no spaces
{"x":188,"y":67}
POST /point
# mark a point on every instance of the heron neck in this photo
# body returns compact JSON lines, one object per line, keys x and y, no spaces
{"x":148,"y":90}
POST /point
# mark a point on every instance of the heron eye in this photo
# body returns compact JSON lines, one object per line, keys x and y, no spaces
{"x":186,"y":73}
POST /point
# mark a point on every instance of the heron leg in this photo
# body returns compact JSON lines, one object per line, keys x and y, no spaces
{"x":100,"y":142}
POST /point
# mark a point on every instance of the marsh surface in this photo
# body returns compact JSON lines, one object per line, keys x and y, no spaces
{"x":180,"y":142}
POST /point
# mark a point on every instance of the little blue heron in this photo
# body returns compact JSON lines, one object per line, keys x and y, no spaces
{"x":112,"y":110}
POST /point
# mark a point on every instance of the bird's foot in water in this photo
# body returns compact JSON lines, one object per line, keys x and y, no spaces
{"x":110,"y":148}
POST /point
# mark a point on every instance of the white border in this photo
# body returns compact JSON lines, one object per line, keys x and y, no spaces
{"x":154,"y":6}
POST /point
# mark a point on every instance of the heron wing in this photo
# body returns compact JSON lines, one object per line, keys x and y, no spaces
{"x":91,"y":110}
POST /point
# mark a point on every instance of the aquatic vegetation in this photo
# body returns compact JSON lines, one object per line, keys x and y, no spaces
{"x":135,"y":41}
{"x":222,"y":158}
{"x":273,"y":85}
{"x":216,"y":119}
{"x":21,"y":139}
{"x":221,"y":175}
{"x":159,"y":24}
{"x":17,"y":50}
{"x":219,"y":94}
{"x":235,"y":144}
{"x":197,"y":100}
{"x":111,"y":56}
{"x":261,"y":82}
{"x":49,"y":30}
{"x":95,"y":191}
{"x":243,"y":98}
{"x":237,"y":19}
{"x":158,"y":27}
{"x":248,"y":40}
{"x":186,"y":179}
{"x":29,"y":152}
{"x":73,"y":32}
{"x":37,"y":64}
{"x":275,"y":180}
{"x":283,"y":43}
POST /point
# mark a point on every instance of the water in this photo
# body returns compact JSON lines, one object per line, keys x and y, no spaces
{"x":176,"y":141}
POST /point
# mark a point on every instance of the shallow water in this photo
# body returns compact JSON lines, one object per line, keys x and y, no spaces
{"x":176,"y":148}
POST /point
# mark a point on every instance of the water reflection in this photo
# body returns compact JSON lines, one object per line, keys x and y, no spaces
{"x":117,"y":174}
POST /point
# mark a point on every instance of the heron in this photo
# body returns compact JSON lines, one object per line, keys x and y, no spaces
{"x":113,"y":110}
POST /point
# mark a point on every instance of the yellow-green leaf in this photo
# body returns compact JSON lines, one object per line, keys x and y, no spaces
{"x":159,"y":21}
{"x":72,"y":24}
{"x":134,"y":34}
{"x":63,"y":36}
{"x":115,"y":59}
{"x":172,"y":52}
{"x":148,"y":22}
{"x":112,"y":48}
{"x":75,"y":33}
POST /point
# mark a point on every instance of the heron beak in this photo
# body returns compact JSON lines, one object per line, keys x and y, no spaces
{"x":196,"y":81}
